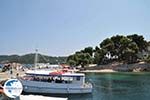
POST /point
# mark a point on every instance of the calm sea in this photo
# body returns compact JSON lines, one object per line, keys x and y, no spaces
{"x":116,"y":86}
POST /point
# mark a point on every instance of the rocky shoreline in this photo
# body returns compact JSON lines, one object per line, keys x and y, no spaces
{"x":118,"y":67}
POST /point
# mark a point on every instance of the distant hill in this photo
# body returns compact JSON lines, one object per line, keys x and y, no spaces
{"x":29,"y":59}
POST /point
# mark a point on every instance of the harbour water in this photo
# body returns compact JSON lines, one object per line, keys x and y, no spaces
{"x":116,"y":86}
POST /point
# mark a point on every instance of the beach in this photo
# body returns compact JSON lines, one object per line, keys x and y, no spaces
{"x":99,"y":71}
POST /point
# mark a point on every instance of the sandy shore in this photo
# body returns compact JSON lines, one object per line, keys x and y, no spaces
{"x":99,"y":71}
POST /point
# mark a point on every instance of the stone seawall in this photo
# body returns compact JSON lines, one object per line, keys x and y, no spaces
{"x":137,"y":67}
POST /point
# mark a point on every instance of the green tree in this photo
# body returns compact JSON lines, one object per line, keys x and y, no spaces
{"x":139,"y":40}
{"x":99,"y":56}
{"x":72,"y":62}
{"x":88,"y":50}
{"x":96,"y":49}
{"x":119,"y":48}
{"x":116,"y":48}
{"x":148,"y":59}
{"x":80,"y":58}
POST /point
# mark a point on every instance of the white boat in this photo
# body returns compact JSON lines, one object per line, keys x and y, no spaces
{"x":55,"y":82}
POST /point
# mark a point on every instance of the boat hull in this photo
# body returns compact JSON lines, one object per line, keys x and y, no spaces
{"x":50,"y":88}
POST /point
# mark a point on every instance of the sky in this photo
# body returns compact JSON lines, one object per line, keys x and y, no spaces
{"x":62,"y":27}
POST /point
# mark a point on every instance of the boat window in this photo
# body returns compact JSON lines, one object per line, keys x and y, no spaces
{"x":50,"y":79}
{"x":59,"y":80}
{"x":27,"y":78}
{"x":78,"y":78}
{"x":67,"y":80}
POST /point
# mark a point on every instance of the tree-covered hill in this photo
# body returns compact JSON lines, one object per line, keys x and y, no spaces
{"x":119,"y":48}
{"x":29,"y":59}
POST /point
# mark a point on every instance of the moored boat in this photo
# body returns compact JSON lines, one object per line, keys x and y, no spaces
{"x":55,"y":82}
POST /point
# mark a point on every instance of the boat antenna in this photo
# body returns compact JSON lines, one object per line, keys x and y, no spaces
{"x":36,"y":58}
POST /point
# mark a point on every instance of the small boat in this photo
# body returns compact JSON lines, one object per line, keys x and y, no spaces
{"x":55,"y":82}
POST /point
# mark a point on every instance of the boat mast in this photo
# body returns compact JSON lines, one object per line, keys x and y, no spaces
{"x":36,"y":58}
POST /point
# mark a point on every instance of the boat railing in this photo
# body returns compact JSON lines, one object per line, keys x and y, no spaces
{"x":49,"y":80}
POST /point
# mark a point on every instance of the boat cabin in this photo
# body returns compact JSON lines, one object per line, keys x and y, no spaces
{"x":55,"y":77}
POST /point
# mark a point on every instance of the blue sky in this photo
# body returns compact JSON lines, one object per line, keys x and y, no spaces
{"x":61,"y":27}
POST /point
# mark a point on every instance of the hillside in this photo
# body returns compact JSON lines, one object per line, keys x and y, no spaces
{"x":29,"y":59}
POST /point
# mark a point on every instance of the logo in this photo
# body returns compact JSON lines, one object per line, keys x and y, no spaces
{"x":13,"y":88}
